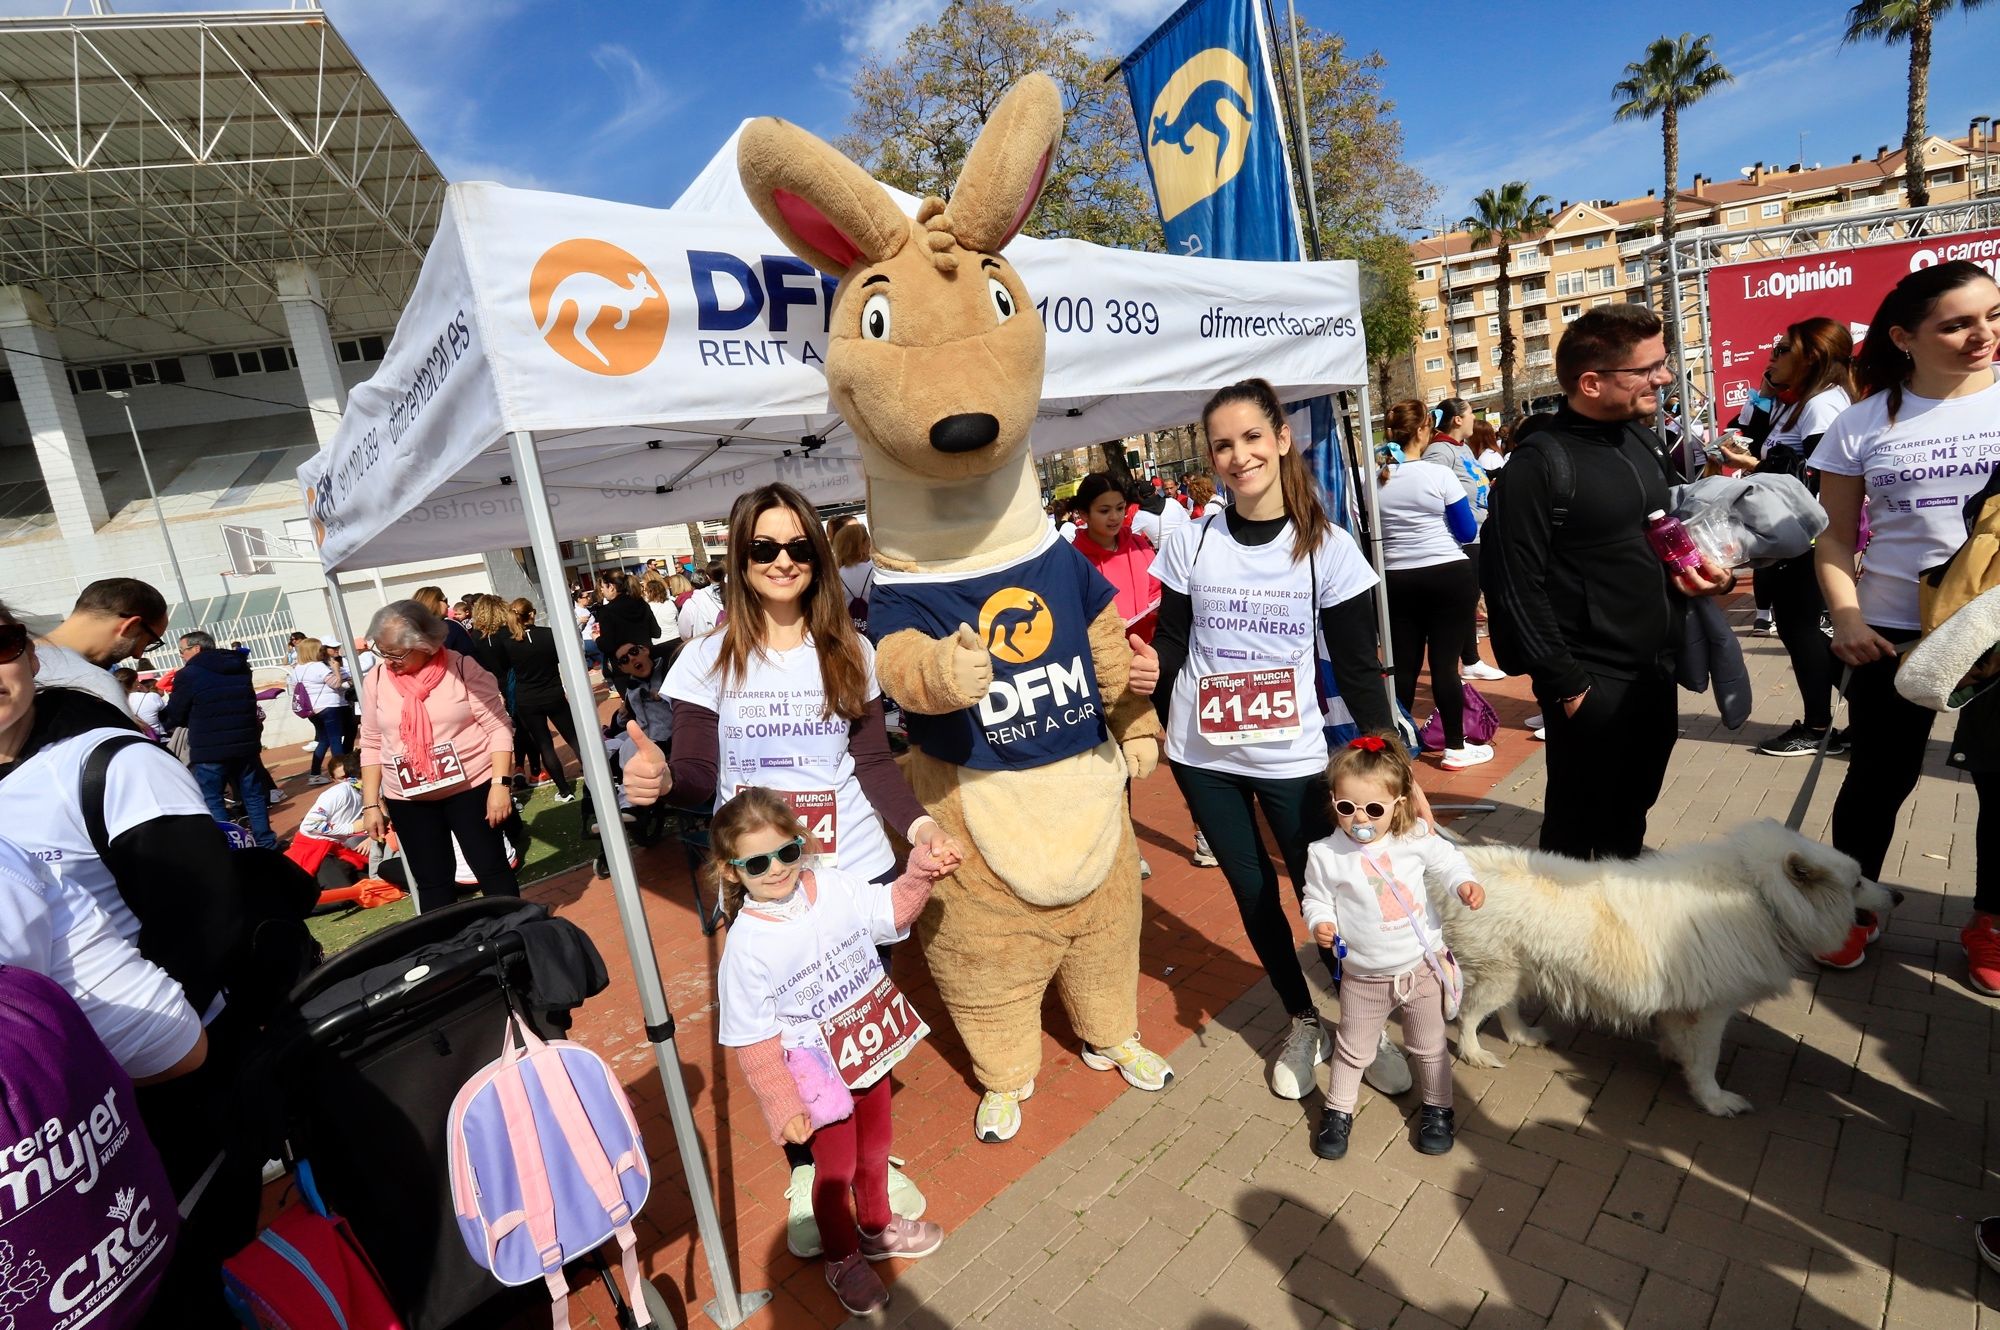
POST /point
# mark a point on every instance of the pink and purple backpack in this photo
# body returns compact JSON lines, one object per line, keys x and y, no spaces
{"x":547,"y":1163}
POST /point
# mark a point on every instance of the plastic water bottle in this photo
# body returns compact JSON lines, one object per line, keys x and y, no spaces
{"x":1671,"y":541}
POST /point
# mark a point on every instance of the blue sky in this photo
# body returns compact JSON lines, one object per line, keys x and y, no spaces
{"x":627,"y":99}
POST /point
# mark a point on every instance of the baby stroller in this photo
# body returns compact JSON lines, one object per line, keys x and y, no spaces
{"x":390,"y":1029}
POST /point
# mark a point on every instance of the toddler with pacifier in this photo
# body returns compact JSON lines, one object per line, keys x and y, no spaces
{"x":817,"y":1024}
{"x":1368,"y":897}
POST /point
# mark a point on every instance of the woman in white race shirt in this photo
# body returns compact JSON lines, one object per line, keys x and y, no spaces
{"x":1811,"y":380}
{"x":1244,"y":595}
{"x":1427,"y":523}
{"x":322,"y":681}
{"x":1918,"y":446}
{"x":783,"y":696}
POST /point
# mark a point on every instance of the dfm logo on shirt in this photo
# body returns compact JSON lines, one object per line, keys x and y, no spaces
{"x":1016,"y":626}
{"x":1200,"y":129}
{"x":598,"y":307}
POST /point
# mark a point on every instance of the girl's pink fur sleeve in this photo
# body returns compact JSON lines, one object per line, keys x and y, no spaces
{"x":908,"y":893}
{"x":771,"y":1081}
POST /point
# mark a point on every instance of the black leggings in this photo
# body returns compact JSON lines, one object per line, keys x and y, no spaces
{"x":536,"y":721}
{"x":1796,"y":604}
{"x":1887,"y":735}
{"x":1469,"y":653}
{"x":1299,"y":811}
{"x":426,"y":826}
{"x":1432,"y":609}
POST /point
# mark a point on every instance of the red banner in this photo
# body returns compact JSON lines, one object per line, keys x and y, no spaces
{"x":1751,"y":304}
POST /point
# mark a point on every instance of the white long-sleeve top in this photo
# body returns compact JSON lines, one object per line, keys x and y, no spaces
{"x":1380,"y":937}
{"x":337,"y":808}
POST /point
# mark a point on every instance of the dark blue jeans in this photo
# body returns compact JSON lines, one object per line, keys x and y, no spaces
{"x":330,"y":726}
{"x":243,"y":773}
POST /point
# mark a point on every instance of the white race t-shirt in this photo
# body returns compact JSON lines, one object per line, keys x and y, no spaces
{"x":39,"y":806}
{"x":1159,"y":529}
{"x":1918,"y":473}
{"x":56,"y":929}
{"x":337,"y":808}
{"x":1817,"y":416}
{"x":700,"y":613}
{"x":316,"y":675}
{"x":666,"y":618}
{"x":1255,"y":609}
{"x":772,"y":734}
{"x":1411,"y":504}
{"x":146,"y":708}
{"x":784,"y":976}
{"x":59,"y":667}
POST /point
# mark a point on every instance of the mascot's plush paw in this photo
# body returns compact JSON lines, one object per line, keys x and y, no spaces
{"x":968,"y":665}
{"x":1142,"y":755}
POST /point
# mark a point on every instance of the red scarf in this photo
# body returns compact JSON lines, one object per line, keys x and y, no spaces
{"x":414,"y":731}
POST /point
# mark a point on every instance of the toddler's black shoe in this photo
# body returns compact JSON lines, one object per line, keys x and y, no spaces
{"x":1435,"y":1133}
{"x":1330,"y":1137}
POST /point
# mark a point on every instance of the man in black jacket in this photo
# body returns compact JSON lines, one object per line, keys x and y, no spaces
{"x":216,"y":702}
{"x":1575,"y":596}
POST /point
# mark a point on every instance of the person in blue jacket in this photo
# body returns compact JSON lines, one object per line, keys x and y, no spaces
{"x":216,"y":702}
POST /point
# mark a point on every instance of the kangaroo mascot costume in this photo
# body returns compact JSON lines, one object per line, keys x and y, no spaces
{"x":1000,"y":642}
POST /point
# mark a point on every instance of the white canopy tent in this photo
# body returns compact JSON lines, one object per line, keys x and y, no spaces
{"x":568,"y":366}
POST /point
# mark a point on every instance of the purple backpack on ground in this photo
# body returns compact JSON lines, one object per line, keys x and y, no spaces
{"x":547,"y":1163}
{"x":1482,"y":722}
{"x":87,"y":1218}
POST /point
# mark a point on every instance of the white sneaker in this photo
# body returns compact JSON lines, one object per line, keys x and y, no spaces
{"x":904,"y":1198}
{"x":1542,"y":733}
{"x":1458,"y":759}
{"x":319,"y":780}
{"x":277,"y":797}
{"x":1389,"y":1073}
{"x":801,"y":1229}
{"x":1203,"y":856}
{"x":1145,"y":869}
{"x":1481,"y":671}
{"x":1534,"y":722}
{"x":1293,"y":1070}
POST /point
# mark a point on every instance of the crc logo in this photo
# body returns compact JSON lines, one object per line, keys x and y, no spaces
{"x":1200,"y":129}
{"x":598,"y":307}
{"x":1016,"y":625}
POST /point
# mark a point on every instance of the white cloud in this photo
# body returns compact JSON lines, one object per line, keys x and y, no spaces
{"x":458,"y":170}
{"x":641,"y":99}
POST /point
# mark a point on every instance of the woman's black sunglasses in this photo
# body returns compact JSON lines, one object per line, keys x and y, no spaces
{"x":759,"y":864}
{"x":765,"y":550}
{"x":13,"y":641}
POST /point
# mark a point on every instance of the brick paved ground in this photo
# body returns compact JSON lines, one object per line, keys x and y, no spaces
{"x":1586,"y":1189}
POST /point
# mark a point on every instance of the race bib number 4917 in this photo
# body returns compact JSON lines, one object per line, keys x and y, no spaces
{"x":873,"y":1033}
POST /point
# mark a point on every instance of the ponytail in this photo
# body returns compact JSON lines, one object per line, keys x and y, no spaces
{"x":1402,"y":422}
{"x":1295,"y":482}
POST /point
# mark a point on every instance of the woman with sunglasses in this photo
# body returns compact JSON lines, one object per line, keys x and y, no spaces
{"x":783,"y":696}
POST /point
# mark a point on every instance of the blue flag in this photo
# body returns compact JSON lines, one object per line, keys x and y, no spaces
{"x":1209,"y":124}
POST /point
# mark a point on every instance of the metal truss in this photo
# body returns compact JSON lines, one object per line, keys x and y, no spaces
{"x":156,"y":169}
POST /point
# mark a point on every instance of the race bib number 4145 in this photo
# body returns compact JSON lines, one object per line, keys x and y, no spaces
{"x":1248,"y":707}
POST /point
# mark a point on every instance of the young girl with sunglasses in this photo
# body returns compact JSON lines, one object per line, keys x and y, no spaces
{"x":1368,"y":896}
{"x":784,"y":696}
{"x":817,"y":1024}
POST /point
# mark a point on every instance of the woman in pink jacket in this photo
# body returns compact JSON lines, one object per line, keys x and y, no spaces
{"x":437,"y":747}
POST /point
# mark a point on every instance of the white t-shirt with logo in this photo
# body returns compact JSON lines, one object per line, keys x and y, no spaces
{"x":700,"y":613}
{"x":39,"y":806}
{"x":317,"y":676}
{"x":784,"y":976}
{"x":1816,"y":417}
{"x":1411,"y":505}
{"x":1254,"y":608}
{"x":1917,"y":474}
{"x":55,"y":928}
{"x":772,"y":733}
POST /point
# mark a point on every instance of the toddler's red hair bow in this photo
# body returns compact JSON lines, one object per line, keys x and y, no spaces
{"x":1368,"y":743}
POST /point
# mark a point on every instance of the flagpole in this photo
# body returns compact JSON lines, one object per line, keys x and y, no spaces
{"x":1303,"y":132}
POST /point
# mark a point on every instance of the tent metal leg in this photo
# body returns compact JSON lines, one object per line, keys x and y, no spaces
{"x":729,"y":1308}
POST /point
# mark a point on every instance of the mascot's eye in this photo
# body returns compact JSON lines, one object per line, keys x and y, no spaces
{"x":875,"y":318}
{"x":1003,"y":299}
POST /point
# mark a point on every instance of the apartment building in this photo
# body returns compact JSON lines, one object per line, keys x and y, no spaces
{"x":1592,"y":254}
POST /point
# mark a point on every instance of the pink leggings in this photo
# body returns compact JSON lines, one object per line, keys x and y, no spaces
{"x":852,"y":1155}
{"x":1366,"y":1002}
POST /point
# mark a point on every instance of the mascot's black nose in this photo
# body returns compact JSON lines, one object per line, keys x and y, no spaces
{"x":963,"y":434}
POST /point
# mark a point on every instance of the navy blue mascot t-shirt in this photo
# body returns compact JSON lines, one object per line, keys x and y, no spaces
{"x":1034,"y":617}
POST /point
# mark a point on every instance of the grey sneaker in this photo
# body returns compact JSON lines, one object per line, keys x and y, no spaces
{"x":1389,"y":1073}
{"x":1293,"y":1070}
{"x":1203,"y":856}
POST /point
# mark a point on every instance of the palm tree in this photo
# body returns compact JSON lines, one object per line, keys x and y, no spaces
{"x":1499,"y":218}
{"x":1676,"y":72}
{"x":1892,"y":21}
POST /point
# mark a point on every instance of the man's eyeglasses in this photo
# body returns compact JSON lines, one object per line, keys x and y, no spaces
{"x":1646,"y":371}
{"x":765,"y":550}
{"x":14,"y":641}
{"x":757,"y":865}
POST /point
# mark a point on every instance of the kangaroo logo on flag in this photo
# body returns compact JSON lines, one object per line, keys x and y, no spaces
{"x":1200,"y":129}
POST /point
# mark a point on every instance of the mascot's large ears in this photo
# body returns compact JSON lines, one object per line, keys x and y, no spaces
{"x":832,"y":214}
{"x":1006,"y":169}
{"x":827,"y":210}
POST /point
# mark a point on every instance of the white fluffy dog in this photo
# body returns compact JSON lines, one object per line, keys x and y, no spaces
{"x":1684,"y":938}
